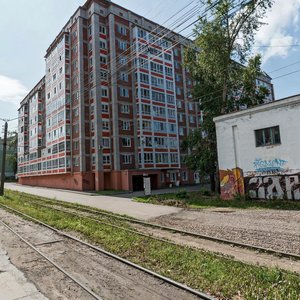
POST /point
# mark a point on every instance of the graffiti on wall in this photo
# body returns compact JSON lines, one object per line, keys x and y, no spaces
{"x":269,"y":166}
{"x":273,"y":187}
{"x":232,"y":183}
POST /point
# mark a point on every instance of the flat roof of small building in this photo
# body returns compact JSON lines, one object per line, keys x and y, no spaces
{"x":260,"y":108}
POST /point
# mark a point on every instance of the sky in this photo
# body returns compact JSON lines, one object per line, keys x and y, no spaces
{"x":27,"y":28}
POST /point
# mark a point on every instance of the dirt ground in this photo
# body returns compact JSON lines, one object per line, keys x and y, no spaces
{"x":277,"y":230}
{"x":105,"y":276}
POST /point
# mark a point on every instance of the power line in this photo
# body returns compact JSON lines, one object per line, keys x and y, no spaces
{"x":274,"y":46}
{"x":284,"y":67}
{"x":157,"y":27}
{"x":284,"y":75}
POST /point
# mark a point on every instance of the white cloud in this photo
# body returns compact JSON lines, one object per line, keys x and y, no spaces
{"x":283,"y":15}
{"x":11,"y":90}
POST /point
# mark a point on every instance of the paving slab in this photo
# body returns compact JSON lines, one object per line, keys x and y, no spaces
{"x":13,"y":284}
{"x":115,"y":204}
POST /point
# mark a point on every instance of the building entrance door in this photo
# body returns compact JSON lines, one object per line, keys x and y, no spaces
{"x":137,"y":183}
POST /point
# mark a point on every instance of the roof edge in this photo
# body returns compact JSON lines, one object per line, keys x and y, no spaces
{"x":295,"y":99}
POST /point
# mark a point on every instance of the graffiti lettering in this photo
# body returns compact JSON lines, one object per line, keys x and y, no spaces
{"x":271,"y":187}
{"x":269,"y":166}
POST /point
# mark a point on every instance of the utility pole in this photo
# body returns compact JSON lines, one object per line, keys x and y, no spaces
{"x":3,"y":159}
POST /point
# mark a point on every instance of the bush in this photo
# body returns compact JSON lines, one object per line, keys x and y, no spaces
{"x":205,"y":192}
{"x":182,"y":194}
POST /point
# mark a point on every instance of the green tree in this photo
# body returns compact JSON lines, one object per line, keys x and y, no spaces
{"x":222,"y":82}
{"x":11,"y":154}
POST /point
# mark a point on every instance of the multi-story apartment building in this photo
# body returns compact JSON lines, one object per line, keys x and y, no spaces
{"x":113,"y":107}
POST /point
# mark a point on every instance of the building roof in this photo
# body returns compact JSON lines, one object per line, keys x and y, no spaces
{"x":295,"y":99}
{"x":34,"y":90}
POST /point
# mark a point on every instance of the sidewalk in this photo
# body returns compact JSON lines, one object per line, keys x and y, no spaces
{"x":120,"y":204}
{"x":13,"y":284}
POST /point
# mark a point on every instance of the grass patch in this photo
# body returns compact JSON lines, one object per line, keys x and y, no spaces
{"x":202,"y":270}
{"x":202,"y":199}
{"x":111,"y":192}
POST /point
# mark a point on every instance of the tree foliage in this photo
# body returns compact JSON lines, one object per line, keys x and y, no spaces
{"x":11,"y":154}
{"x":222,"y":81}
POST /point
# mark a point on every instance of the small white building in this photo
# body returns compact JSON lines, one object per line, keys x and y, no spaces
{"x":259,"y":151}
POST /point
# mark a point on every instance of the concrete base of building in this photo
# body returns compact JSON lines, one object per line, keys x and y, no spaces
{"x":76,"y":181}
{"x":125,"y":180}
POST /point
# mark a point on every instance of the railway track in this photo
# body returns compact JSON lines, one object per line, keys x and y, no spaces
{"x":110,"y":217}
{"x":164,"y":279}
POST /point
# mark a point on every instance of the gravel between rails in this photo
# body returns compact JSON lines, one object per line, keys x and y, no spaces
{"x":106,"y":277}
{"x":275,"y":229}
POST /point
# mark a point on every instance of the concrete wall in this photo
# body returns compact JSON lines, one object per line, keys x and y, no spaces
{"x":269,"y":171}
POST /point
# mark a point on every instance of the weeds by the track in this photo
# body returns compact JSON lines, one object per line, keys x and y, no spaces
{"x":202,"y":199}
{"x":220,"y":276}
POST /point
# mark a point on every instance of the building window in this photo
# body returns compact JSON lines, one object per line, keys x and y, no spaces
{"x":103,"y":74}
{"x":104,"y":108}
{"x":126,"y":142}
{"x":169,"y":71}
{"x":176,"y":52}
{"x":147,"y":125}
{"x":125,"y":109}
{"x":105,"y":125}
{"x":123,"y":60}
{"x":102,"y":29}
{"x":157,"y":68}
{"x":146,"y":109}
{"x":122,"y":30}
{"x":106,"y":159}
{"x":148,"y":158}
{"x":125,"y":125}
{"x":181,"y":131}
{"x":127,"y":159}
{"x":143,"y":63}
{"x":170,"y":85}
{"x":170,"y":99}
{"x":145,"y":93}
{"x":102,"y":44}
{"x":106,"y":143}
{"x":178,"y":78}
{"x":104,"y":92}
{"x":168,"y":56}
{"x":76,"y":161}
{"x":103,"y":59}
{"x":122,"y":45}
{"x":76,"y":112}
{"x":177,"y":65}
{"x":267,"y":136}
{"x":160,"y":97}
{"x":124,"y":92}
{"x":173,"y":176}
{"x":124,"y":77}
{"x":174,"y":158}
{"x":144,"y":78}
